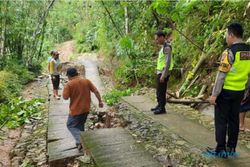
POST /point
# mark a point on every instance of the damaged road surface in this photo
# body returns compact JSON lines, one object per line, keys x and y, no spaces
{"x":61,"y":144}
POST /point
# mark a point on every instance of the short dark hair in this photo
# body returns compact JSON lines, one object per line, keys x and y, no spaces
{"x":160,"y":33}
{"x":52,"y":52}
{"x":71,"y":72}
{"x":236,"y":29}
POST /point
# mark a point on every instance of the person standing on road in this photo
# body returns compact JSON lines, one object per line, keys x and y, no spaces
{"x":78,"y":91}
{"x":164,"y":66}
{"x":228,"y":92}
{"x":244,"y":107}
{"x":54,"y":70}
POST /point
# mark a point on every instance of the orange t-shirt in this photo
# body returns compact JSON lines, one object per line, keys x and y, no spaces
{"x":78,"y":90}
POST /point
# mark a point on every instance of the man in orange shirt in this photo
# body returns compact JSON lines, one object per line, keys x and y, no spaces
{"x":78,"y":91}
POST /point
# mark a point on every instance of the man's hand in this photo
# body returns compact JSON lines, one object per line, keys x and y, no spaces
{"x":100,"y":104}
{"x":212,"y":100}
{"x":246,"y":94}
{"x":162,"y":79}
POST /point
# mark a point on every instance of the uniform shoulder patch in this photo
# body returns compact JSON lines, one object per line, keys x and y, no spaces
{"x":224,"y":55}
{"x":225,"y":66}
{"x":245,"y":55}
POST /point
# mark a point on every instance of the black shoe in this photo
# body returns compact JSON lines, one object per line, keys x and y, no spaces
{"x":160,"y":111}
{"x":79,"y":147}
{"x":231,"y":152}
{"x":155,"y":108}
{"x":217,"y":153}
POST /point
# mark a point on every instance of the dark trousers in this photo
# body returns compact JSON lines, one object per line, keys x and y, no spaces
{"x":55,"y":81}
{"x":161,"y":89}
{"x":75,"y":125}
{"x":227,"y":118}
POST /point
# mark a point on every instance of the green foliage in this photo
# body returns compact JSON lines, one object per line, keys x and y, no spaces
{"x":193,"y":91}
{"x":99,"y":30}
{"x":9,"y":85}
{"x":22,"y":30}
{"x":12,"y":78}
{"x":129,"y":74}
{"x":19,"y":111}
{"x":113,"y":96}
{"x":160,"y":6}
{"x":99,"y":25}
{"x":126,"y":43}
{"x":27,"y":163}
{"x":86,"y":41}
{"x":62,"y":20}
{"x":24,"y":75}
{"x":102,"y":40}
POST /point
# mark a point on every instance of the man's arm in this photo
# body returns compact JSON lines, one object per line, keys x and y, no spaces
{"x":167,"y":53}
{"x":98,"y":96}
{"x":226,"y":59}
{"x":49,"y":67}
{"x":220,"y":78}
{"x":96,"y":92}
{"x":66,"y":92}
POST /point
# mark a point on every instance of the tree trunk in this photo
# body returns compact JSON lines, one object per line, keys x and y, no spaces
{"x":191,"y":84}
{"x":38,"y":31}
{"x":247,"y":11}
{"x":172,"y":95}
{"x":42,"y":40}
{"x":203,"y":89}
{"x":126,"y":20}
{"x":4,"y":9}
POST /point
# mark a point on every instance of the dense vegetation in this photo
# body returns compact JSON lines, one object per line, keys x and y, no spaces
{"x":122,"y":32}
{"x":22,"y":49}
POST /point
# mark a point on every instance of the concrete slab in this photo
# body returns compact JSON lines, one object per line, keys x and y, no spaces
{"x":189,"y":130}
{"x":115,"y":147}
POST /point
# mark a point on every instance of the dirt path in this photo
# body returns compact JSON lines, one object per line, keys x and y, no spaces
{"x":66,"y":50}
{"x":7,"y":142}
{"x":10,"y":137}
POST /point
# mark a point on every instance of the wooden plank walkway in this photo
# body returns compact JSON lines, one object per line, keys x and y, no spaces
{"x":115,"y":147}
{"x":61,"y":144}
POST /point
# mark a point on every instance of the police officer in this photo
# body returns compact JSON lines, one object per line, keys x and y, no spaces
{"x":231,"y":81}
{"x":164,"y":66}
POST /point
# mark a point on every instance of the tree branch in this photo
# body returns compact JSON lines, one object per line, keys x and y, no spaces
{"x":106,"y":9}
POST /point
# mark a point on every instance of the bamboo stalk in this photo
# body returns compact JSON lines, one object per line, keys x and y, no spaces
{"x":172,"y":95}
{"x":113,"y":22}
{"x":203,"y":89}
{"x":201,"y":60}
{"x":191,"y":84}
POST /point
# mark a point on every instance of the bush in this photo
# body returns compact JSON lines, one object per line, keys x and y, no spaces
{"x":32,"y":71}
{"x":113,"y":96}
{"x":19,"y":111}
{"x":24,"y":75}
{"x":141,"y":73}
{"x":9,"y":85}
{"x":85,"y":39}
